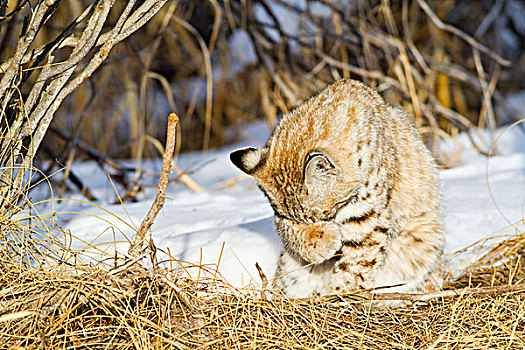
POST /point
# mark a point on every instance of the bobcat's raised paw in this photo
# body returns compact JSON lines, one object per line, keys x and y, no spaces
{"x":323,"y":240}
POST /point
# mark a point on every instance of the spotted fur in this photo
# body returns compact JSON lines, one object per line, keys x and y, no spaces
{"x":355,"y":194}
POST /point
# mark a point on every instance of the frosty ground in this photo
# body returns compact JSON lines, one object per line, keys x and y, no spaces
{"x":229,"y":225}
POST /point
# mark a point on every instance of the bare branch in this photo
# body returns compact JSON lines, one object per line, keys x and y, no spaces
{"x":472,"y":42}
{"x":136,"y":246}
{"x":58,"y":79}
{"x":23,"y":45}
{"x":450,"y":293}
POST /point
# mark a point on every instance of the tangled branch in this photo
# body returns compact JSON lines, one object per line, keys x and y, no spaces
{"x":25,"y":120}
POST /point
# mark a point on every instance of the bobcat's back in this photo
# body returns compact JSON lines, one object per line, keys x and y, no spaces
{"x":355,"y":194}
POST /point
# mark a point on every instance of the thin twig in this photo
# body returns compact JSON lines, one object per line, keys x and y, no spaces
{"x":187,"y":181}
{"x":450,"y":293}
{"x":137,"y":244}
{"x":472,"y":42}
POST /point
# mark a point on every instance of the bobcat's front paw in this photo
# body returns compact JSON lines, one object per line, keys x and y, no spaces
{"x":323,"y":240}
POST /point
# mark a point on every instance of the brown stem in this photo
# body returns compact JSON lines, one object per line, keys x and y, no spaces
{"x":140,"y":239}
{"x":443,"y":293}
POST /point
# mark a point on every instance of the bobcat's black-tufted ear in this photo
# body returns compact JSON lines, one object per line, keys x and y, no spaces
{"x":249,"y":159}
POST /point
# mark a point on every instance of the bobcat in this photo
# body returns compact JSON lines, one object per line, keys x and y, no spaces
{"x":355,"y":194}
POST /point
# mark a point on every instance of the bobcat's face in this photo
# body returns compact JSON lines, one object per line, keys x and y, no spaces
{"x":308,"y":189}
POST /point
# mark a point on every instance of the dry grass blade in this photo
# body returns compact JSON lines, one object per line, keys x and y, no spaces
{"x":127,"y":308}
{"x":447,"y":293}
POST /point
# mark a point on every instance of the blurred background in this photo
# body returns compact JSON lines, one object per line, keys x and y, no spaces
{"x":453,"y":65}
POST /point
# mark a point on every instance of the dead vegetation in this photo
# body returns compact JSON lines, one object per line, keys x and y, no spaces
{"x":52,"y":297}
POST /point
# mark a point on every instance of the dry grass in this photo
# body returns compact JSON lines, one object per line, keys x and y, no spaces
{"x":50,"y":297}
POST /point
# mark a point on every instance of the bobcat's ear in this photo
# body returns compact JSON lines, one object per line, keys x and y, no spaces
{"x":249,"y":159}
{"x":319,"y":169}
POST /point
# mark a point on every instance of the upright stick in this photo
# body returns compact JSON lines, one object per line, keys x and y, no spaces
{"x":138,"y":243}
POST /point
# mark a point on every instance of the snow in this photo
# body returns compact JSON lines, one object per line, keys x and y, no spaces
{"x":230,"y":223}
